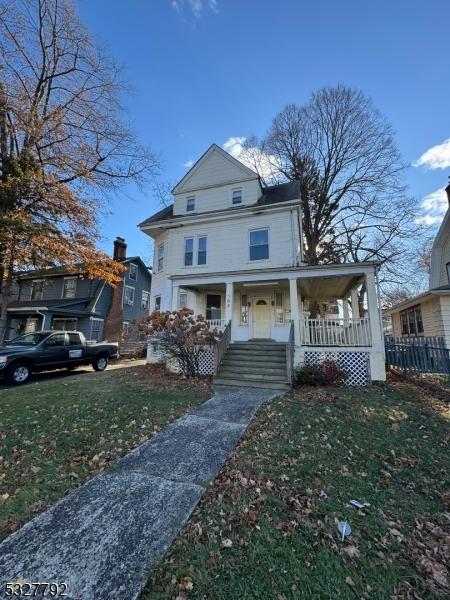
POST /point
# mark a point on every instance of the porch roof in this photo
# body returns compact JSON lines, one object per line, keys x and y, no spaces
{"x":323,"y":282}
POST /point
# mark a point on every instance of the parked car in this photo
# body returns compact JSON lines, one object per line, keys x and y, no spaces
{"x":44,"y":350}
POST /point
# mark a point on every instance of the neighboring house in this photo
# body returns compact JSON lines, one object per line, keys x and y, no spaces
{"x":58,"y":298}
{"x":232,"y":250}
{"x":428,"y":314}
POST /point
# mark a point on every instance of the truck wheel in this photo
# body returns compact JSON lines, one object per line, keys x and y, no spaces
{"x":100,"y":362}
{"x":18,"y":373}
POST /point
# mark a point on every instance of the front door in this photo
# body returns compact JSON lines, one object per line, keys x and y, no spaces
{"x":261,"y":318}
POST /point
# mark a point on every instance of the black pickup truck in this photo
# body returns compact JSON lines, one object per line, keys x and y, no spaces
{"x":44,"y":350}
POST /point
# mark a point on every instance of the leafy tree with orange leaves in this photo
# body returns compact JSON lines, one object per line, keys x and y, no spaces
{"x":65,"y":141}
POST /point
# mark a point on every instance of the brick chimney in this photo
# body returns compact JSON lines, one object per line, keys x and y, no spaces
{"x":120,"y":249}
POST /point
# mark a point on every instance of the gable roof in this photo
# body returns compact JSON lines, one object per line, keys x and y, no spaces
{"x":244,"y":172}
{"x":275,"y":194}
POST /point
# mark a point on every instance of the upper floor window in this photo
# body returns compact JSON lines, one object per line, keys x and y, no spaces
{"x":157,"y":302}
{"x":69,"y":287}
{"x":259,"y":244}
{"x":160,"y":258}
{"x":133,"y":272}
{"x":236,"y":196}
{"x":190,"y":203}
{"x":188,"y":252}
{"x":145,"y":303}
{"x":128,"y":296}
{"x":411,"y":320}
{"x":201,"y":254}
{"x":37,"y":289}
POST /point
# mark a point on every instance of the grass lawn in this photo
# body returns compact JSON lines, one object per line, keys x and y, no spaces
{"x":57,"y":433}
{"x":266,"y":528}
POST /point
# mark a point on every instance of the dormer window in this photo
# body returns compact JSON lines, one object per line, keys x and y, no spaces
{"x":190,"y":203}
{"x":236,"y":196}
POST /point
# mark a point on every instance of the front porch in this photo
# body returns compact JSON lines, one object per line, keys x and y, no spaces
{"x":316,"y":309}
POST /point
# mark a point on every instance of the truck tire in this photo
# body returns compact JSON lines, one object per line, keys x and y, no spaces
{"x":18,"y":373}
{"x":100,"y":362}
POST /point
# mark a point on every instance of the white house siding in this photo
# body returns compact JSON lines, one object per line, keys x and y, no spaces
{"x":444,"y":302}
{"x":228,"y":244}
{"x":217,"y":198}
{"x":445,"y":258}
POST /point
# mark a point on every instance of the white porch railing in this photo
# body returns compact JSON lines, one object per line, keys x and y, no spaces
{"x":218,"y":324}
{"x":335,"y":332}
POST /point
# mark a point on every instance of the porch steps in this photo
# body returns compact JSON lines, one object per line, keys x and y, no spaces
{"x":254,"y":364}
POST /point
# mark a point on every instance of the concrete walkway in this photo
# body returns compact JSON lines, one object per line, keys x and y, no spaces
{"x":104,"y":539}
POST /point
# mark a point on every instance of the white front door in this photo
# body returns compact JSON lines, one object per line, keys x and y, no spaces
{"x":261,"y":311}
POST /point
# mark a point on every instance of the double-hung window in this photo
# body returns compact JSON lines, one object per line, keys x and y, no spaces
{"x":182,"y":301}
{"x":157,"y":302}
{"x":201,"y":254}
{"x":411,"y":321}
{"x":69,"y":287}
{"x":145,"y":303}
{"x":128,"y":296}
{"x":37,"y":289}
{"x":188,"y":252}
{"x":160,"y":258}
{"x":236,"y":196}
{"x":133,"y":272}
{"x":190,"y":203}
{"x":259,"y":244}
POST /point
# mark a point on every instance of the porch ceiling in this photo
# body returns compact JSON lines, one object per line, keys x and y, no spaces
{"x":327,"y":288}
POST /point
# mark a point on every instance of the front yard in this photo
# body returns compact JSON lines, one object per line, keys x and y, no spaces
{"x":266,"y":528}
{"x":58,"y":433}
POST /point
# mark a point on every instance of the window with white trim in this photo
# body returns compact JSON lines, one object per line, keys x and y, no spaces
{"x":95,"y":329}
{"x":182,"y":301}
{"x":279,"y":312}
{"x":128,"y":296}
{"x":411,"y":320}
{"x":37,"y":289}
{"x":236,"y":196}
{"x":188,"y":251}
{"x":133,"y":272}
{"x":201,"y":254}
{"x":190,"y":203}
{"x":160,"y":258}
{"x":259,"y":244}
{"x":69,"y":287}
{"x":62,"y":324}
{"x":126,"y":328}
{"x":157,"y":302}
{"x":244,"y":309}
{"x":145,"y":302}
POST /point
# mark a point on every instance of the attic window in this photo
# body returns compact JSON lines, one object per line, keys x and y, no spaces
{"x":236,"y":196}
{"x":190,"y":203}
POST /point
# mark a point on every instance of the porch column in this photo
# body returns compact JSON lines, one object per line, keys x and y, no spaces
{"x":377,"y":358}
{"x":345,"y":308}
{"x":355,"y":303}
{"x":175,"y":291}
{"x":229,"y":295}
{"x":295,"y":313}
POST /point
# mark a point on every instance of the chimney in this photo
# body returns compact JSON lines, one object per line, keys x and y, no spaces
{"x":120,"y":249}
{"x":447,"y":189}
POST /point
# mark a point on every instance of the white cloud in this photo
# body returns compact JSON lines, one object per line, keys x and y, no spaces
{"x":252,"y":157}
{"x":188,"y":164}
{"x":434,"y":207}
{"x":195,"y":5}
{"x":437,"y":157}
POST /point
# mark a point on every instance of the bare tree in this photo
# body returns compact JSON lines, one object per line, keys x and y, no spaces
{"x":354,"y":202}
{"x":65,"y":139}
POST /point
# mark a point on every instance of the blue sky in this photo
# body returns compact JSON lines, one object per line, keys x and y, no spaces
{"x":205,"y":71}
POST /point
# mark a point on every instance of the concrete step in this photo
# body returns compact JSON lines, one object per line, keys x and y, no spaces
{"x":252,"y":369}
{"x":252,"y":376}
{"x":277,"y":385}
{"x":261,"y":362}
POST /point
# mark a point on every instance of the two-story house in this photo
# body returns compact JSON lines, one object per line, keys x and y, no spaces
{"x":232,"y":250}
{"x":428,"y":314}
{"x":58,"y":298}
